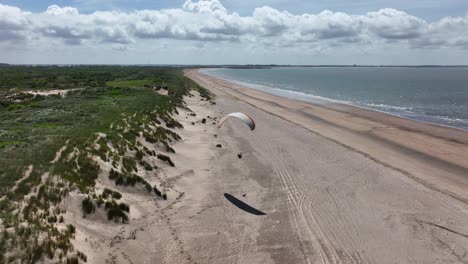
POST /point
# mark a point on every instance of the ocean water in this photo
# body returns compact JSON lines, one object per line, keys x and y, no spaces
{"x":433,"y":94}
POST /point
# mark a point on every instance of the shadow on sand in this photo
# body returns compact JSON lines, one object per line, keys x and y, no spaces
{"x":242,"y":205}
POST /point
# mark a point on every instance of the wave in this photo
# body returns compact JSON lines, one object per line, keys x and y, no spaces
{"x":407,"y":108}
{"x":451,"y":120}
{"x":288,"y":93}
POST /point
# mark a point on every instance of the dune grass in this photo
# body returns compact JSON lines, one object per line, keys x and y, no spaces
{"x":112,"y":100}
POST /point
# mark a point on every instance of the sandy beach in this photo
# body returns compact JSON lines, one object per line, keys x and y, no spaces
{"x":315,"y":184}
{"x":338,"y":184}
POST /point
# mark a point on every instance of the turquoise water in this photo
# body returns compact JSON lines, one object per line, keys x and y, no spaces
{"x":434,"y":94}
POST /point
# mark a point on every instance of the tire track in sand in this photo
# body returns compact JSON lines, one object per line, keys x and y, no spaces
{"x":307,"y":212}
{"x":295,"y":202}
{"x":298,"y":203}
{"x":338,"y":227}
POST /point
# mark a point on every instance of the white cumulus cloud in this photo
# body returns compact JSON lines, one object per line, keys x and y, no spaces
{"x":210,"y":22}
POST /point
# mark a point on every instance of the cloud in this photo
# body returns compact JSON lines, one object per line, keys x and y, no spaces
{"x":209,"y":21}
{"x":13,"y":23}
{"x":58,"y":11}
{"x":204,"y":6}
{"x":393,"y":24}
{"x":329,"y":25}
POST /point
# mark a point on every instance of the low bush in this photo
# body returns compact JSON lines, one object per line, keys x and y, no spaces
{"x":72,"y":260}
{"x":124,"y":207}
{"x":87,"y":206}
{"x":166,"y":159}
{"x":146,"y":165}
{"x":114,"y":194}
{"x":128,"y":180}
{"x":157,"y":191}
{"x":116,"y":214}
{"x":139,"y":155}
{"x":71,"y":228}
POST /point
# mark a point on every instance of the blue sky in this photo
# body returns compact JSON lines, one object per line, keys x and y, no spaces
{"x":234,"y":31}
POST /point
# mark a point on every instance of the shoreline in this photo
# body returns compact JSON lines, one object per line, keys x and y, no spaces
{"x":435,"y":156}
{"x":315,"y":99}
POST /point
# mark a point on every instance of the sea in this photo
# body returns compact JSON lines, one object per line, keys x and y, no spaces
{"x":430,"y":94}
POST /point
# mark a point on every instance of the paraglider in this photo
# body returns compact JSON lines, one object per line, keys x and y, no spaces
{"x":245,"y":118}
{"x":251,"y":123}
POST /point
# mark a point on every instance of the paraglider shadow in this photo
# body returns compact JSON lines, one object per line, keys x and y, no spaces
{"x":243,"y":206}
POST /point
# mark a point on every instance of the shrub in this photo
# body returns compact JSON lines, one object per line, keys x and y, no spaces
{"x":71,"y":228}
{"x":114,"y":194}
{"x":171,"y":122}
{"x":124,"y":207}
{"x":147,"y":166}
{"x":109,"y":205}
{"x":129,"y":164}
{"x":52,"y":219}
{"x":149,"y":152}
{"x":116,"y":211}
{"x":157,"y":191}
{"x":13,"y":107}
{"x":128,"y":180}
{"x":87,"y":206}
{"x":117,"y":214}
{"x":168,"y":148}
{"x":72,"y":260}
{"x":147,"y":185}
{"x":81,"y":256}
{"x":166,"y":159}
{"x":139,"y":155}
{"x":113,"y":174}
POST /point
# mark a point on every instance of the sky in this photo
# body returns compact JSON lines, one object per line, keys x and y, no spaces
{"x":379,"y":32}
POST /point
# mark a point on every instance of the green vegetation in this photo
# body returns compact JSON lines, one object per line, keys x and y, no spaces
{"x":128,"y":179}
{"x":88,"y":206}
{"x":47,"y":125}
{"x":159,"y":193}
{"x":62,"y":138}
{"x":10,"y":143}
{"x":117,"y":212}
{"x":110,"y":193}
{"x":130,"y":83}
{"x":166,"y":159}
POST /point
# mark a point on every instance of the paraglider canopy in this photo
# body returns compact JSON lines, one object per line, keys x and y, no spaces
{"x":245,"y":118}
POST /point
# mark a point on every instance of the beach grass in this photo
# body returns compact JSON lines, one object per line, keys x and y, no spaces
{"x":49,"y":145}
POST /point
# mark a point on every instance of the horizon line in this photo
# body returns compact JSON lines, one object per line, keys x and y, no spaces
{"x":234,"y":65}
